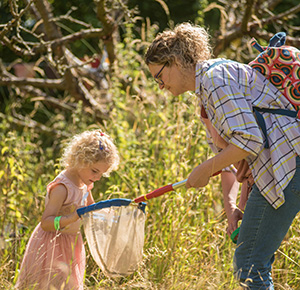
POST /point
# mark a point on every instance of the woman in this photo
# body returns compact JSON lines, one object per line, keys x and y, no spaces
{"x":180,"y":61}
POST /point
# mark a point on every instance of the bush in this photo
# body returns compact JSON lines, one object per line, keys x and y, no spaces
{"x":160,"y":139}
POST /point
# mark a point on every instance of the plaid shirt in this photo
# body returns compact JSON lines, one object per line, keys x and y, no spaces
{"x":228,"y":91}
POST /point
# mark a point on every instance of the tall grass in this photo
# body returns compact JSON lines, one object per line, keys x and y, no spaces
{"x":160,"y":139}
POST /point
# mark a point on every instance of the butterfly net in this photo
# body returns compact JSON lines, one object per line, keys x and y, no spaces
{"x":115,"y":234}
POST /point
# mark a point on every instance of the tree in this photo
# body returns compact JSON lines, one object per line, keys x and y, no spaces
{"x":238,"y":21}
{"x":45,"y":64}
{"x":44,"y":61}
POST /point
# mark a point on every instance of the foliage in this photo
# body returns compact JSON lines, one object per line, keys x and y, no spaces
{"x":168,"y":12}
{"x":160,"y":139}
{"x":46,"y":70}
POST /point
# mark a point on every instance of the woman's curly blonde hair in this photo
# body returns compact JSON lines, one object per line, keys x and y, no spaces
{"x":88,"y":148}
{"x":186,"y":45}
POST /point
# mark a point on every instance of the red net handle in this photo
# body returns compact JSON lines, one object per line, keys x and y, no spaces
{"x":163,"y":190}
{"x":155,"y":193}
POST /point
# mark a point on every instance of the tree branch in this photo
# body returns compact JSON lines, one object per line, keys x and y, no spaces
{"x":253,"y":28}
{"x":29,"y":123}
{"x":109,"y":27}
{"x":58,"y":84}
{"x":83,"y":34}
{"x":52,"y":31}
{"x":14,"y":20}
{"x":289,"y":13}
{"x":247,"y":15}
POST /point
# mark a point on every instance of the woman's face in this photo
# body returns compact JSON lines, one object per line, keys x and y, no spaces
{"x":173,"y":78}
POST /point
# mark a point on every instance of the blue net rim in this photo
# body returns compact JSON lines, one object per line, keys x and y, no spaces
{"x":109,"y":203}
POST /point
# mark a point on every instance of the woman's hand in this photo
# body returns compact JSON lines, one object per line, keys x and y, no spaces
{"x":201,"y":174}
{"x":199,"y":177}
{"x":233,"y":219}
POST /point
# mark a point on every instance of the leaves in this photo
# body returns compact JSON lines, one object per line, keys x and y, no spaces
{"x":160,"y":139}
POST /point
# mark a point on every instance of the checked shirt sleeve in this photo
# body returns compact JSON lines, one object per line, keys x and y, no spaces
{"x":227,"y":93}
{"x":228,"y":104}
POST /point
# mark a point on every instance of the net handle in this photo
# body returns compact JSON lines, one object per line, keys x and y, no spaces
{"x":162,"y":190}
{"x":106,"y":204}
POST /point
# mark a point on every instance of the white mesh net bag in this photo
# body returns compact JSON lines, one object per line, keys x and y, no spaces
{"x":114,"y":230}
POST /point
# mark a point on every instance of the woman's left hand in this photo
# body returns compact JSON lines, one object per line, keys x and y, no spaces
{"x":233,"y":219}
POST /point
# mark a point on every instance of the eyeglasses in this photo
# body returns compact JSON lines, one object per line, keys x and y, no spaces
{"x":157,"y":78}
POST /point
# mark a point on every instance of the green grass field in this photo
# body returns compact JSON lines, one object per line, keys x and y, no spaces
{"x":160,"y":141}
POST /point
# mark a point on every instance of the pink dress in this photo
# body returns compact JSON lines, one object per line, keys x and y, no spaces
{"x":56,"y":260}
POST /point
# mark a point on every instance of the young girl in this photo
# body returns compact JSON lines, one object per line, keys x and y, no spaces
{"x":55,"y":255}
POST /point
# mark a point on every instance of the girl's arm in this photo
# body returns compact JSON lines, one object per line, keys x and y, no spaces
{"x":57,"y":197}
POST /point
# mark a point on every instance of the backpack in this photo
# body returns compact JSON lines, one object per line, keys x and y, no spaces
{"x":280,"y":64}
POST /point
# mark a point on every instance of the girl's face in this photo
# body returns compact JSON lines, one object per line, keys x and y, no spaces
{"x":173,"y":78}
{"x":90,"y":174}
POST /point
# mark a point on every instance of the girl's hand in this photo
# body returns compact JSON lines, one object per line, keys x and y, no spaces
{"x":66,"y":221}
{"x":199,"y":177}
{"x":73,"y":217}
{"x":233,"y":219}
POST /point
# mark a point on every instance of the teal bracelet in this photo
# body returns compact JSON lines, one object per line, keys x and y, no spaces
{"x":56,"y":223}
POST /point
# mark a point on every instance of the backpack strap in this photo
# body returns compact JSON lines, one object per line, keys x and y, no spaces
{"x":256,"y":45}
{"x":276,"y":41}
{"x":219,"y":62}
{"x":261,"y":121}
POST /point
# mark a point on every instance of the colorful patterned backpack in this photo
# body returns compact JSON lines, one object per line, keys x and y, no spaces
{"x":281,"y":65}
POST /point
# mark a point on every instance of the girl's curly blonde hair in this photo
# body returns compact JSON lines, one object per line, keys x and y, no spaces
{"x":186,"y":45}
{"x":88,"y":148}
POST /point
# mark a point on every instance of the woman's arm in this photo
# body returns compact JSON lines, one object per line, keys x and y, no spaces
{"x":201,"y":174}
{"x":230,"y":188}
{"x":244,"y":195}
